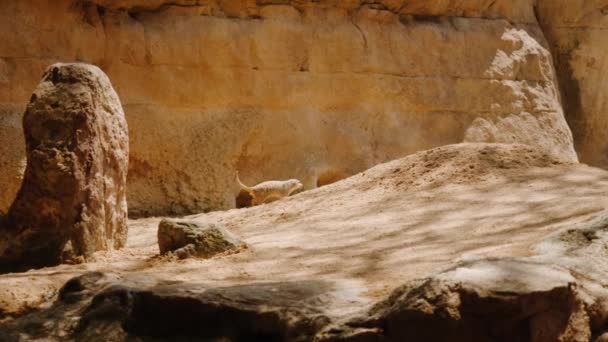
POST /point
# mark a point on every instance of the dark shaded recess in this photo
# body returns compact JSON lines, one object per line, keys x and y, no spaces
{"x":259,"y":312}
{"x":330,"y":176}
{"x":101,"y":11}
{"x":133,"y":15}
{"x":79,"y":288}
{"x":170,"y":316}
{"x":42,"y":324}
{"x":429,"y":18}
{"x":43,"y":251}
{"x":243,"y":199}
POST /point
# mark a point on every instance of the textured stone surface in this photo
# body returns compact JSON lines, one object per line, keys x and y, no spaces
{"x":467,"y":242}
{"x":96,"y":306}
{"x":578,"y":34}
{"x":73,"y":195}
{"x":313,"y":90}
{"x":504,"y":300}
{"x":191,"y":239}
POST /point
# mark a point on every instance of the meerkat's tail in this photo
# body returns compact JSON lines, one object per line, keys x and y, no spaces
{"x":238,"y":180}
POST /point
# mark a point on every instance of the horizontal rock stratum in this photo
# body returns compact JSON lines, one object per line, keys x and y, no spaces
{"x":314,"y":90}
{"x":467,"y":242}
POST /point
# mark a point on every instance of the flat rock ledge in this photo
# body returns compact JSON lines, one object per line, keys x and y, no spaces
{"x":191,"y":239}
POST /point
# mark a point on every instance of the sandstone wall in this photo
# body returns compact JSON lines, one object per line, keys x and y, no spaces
{"x":304,"y":89}
{"x":578,"y":35}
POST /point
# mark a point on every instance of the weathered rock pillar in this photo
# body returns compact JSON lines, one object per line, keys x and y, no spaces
{"x":73,"y":195}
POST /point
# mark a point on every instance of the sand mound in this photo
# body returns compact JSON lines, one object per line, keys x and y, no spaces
{"x":453,"y":164}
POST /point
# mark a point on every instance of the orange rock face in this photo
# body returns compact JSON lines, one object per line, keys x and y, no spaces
{"x":300,"y":89}
{"x":576,"y":31}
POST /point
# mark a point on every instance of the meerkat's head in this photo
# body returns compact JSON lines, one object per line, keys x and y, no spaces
{"x":294,"y":185}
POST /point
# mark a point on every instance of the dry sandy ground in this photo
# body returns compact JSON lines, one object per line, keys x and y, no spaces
{"x":405,"y":219}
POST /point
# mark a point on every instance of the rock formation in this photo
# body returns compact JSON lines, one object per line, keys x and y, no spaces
{"x":190,"y":239}
{"x":576,"y":30}
{"x":500,"y":238}
{"x":73,"y":195}
{"x":467,"y":242}
{"x":506,"y":300}
{"x":444,"y":199}
{"x":280,"y":89}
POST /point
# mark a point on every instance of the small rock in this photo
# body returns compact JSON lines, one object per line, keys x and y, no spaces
{"x":190,"y":239}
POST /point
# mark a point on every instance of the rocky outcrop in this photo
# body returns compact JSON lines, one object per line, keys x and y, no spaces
{"x":95,"y":306}
{"x":379,"y":256}
{"x":313,"y":90}
{"x":576,"y":30}
{"x":73,"y":196}
{"x":489,"y":300}
{"x":191,"y":239}
{"x":257,"y":312}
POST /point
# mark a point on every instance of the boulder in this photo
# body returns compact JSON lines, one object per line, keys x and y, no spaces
{"x":281,"y":311}
{"x":485,"y":300}
{"x":73,"y":195}
{"x":576,"y":32}
{"x":190,"y":239}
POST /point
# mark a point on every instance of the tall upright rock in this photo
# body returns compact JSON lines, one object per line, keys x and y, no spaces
{"x":73,"y":195}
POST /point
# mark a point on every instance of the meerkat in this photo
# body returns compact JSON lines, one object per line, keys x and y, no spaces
{"x":270,"y":190}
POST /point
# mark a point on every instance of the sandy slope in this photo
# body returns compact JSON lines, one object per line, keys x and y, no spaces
{"x":405,"y":219}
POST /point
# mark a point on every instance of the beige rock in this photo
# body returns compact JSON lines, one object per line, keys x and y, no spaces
{"x":74,"y":190}
{"x":501,"y":235}
{"x":313,"y":90}
{"x":576,"y":30}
